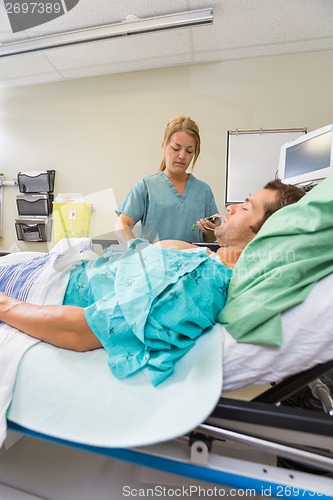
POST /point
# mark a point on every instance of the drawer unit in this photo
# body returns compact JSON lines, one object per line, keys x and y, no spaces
{"x":30,"y":229}
{"x":34,"y":204}
{"x":36,"y":182}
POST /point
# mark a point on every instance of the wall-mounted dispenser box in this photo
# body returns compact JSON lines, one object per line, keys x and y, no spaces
{"x":34,"y":204}
{"x":41,"y":181}
{"x":71,"y":220}
{"x":33,"y":229}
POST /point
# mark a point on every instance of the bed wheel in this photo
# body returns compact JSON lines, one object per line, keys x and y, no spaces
{"x":201,"y":446}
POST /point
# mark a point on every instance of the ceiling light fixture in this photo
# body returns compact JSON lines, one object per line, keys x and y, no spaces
{"x":131,"y":26}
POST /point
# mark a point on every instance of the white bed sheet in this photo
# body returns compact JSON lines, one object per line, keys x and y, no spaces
{"x":74,"y":396}
{"x":307,"y":341}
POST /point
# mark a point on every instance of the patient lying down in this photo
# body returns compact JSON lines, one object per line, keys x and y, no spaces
{"x":146,"y":304}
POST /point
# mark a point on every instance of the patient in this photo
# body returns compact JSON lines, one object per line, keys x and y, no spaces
{"x":144,"y":305}
{"x":244,"y":220}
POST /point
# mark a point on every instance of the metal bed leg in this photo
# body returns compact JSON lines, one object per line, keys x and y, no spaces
{"x":322,"y":392}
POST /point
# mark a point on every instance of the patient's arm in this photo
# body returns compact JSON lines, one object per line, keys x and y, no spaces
{"x":174,"y":244}
{"x":61,"y":326}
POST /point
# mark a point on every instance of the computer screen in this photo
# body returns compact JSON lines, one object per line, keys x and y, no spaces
{"x":308,"y":159}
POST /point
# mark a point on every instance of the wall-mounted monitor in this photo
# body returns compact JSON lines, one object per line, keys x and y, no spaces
{"x":308,"y":159}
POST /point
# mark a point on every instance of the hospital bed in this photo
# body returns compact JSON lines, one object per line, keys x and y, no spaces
{"x":261,"y":445}
{"x":195,"y":425}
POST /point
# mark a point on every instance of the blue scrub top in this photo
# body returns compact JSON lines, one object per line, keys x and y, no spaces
{"x":163,"y":212}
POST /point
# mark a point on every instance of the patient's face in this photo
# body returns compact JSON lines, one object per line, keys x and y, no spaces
{"x":235,"y":229}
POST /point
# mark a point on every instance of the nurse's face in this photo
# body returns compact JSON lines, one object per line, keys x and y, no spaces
{"x":179,"y":152}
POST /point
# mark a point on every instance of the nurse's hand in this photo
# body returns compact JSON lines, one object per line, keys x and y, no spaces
{"x":208,"y":225}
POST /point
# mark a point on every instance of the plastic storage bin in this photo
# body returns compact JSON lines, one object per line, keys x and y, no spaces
{"x":33,"y":229}
{"x":71,"y":220}
{"x":36,"y":182}
{"x":34,"y":204}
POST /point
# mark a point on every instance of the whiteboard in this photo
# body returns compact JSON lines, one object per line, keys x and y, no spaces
{"x":253,"y":159}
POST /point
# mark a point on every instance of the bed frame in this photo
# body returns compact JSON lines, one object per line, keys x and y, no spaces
{"x":273,"y":445}
{"x":267,"y":445}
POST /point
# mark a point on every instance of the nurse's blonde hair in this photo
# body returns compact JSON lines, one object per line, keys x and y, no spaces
{"x":186,"y":124}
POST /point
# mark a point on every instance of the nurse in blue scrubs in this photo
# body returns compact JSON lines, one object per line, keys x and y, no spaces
{"x":171,"y":204}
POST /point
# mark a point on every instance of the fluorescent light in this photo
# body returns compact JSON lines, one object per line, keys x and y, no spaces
{"x":128,"y":27}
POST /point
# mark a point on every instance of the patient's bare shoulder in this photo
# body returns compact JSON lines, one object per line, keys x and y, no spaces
{"x":174,"y":244}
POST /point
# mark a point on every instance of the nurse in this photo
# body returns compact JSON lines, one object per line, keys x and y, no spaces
{"x":171,"y":204}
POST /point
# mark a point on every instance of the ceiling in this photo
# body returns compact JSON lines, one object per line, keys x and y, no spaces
{"x":241,"y":29}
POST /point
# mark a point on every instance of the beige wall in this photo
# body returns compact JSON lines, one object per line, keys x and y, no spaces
{"x":103,"y":134}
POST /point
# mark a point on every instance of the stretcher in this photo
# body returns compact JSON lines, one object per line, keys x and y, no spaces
{"x":296,"y":443}
{"x":277,"y":444}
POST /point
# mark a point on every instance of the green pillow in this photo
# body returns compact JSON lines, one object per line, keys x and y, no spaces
{"x":291,"y":252}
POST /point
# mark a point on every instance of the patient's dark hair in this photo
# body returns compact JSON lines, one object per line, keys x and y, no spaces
{"x":286,"y":194}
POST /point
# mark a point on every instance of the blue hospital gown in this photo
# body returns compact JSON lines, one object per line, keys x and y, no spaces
{"x":147,"y":306}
